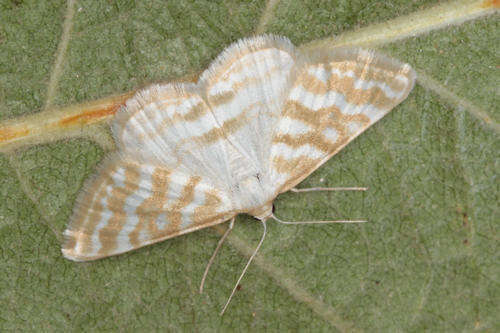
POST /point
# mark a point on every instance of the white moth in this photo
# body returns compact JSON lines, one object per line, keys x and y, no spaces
{"x":260,"y":119}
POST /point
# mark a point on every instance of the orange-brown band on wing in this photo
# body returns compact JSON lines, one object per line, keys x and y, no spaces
{"x":370,"y":69}
{"x":175,"y":211}
{"x":127,"y":206}
{"x":195,"y":112}
{"x":334,"y":99}
{"x":226,"y":96}
{"x":116,"y":203}
{"x":346,"y":86}
{"x":88,"y":210}
{"x":151,"y":207}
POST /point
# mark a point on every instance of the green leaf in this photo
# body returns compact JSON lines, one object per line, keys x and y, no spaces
{"x":428,"y":259}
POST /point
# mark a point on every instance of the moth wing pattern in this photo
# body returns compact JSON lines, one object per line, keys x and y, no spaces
{"x":261,"y":118}
{"x":245,"y":87}
{"x":128,"y":205}
{"x":165,"y":180}
{"x":336,"y":96}
{"x":172,"y":125}
{"x":184,"y":131}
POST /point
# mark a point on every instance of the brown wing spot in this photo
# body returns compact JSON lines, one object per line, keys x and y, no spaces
{"x":196,"y":112}
{"x":152,"y":207}
{"x":174,"y":214}
{"x":116,"y":204}
{"x":89,"y":210}
{"x":294,"y":166}
{"x":211,"y":136}
{"x":312,"y":138}
{"x":345,"y":86}
{"x":367,"y":71}
{"x":330,"y":117}
{"x":208,"y":210}
{"x":228,"y":127}
{"x":226,"y":96}
{"x":321,"y":118}
{"x":237,"y":63}
{"x":221,"y":98}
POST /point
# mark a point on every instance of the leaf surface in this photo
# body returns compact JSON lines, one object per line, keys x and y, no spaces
{"x":428,"y":259}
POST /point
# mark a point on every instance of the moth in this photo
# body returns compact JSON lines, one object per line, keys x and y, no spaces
{"x":259,"y":120}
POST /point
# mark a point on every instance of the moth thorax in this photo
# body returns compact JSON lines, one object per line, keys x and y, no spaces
{"x":252,"y":194}
{"x":262,"y":212}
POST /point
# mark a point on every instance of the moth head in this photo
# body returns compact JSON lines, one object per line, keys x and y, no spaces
{"x":263,"y":212}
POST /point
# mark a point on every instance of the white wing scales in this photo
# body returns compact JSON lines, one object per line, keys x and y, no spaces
{"x":247,"y":85}
{"x":337,"y":95}
{"x":172,"y":125}
{"x":261,"y":118}
{"x":130,"y":205}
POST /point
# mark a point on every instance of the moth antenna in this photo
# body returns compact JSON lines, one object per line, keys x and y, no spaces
{"x":316,"y":222}
{"x":219,"y":245}
{"x":246,"y":267}
{"x":317,"y":189}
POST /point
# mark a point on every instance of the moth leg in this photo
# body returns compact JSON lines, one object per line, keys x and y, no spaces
{"x":246,"y":266}
{"x":315,"y":222}
{"x":317,"y":189}
{"x":219,"y":245}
